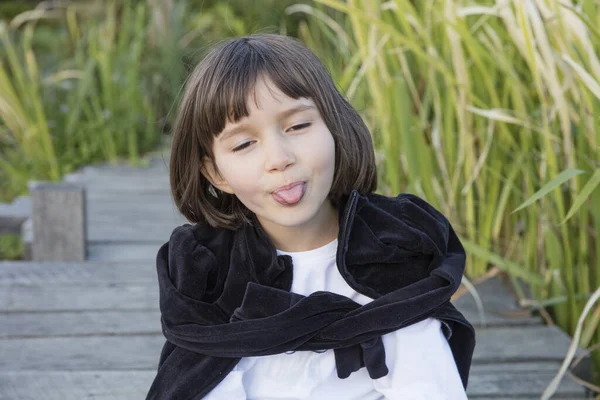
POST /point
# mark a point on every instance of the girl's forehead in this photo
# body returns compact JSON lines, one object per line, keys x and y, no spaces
{"x":266,"y":97}
{"x":266,"y":91}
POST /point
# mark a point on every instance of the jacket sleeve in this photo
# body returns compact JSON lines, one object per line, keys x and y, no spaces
{"x":183,"y":374}
{"x":187,"y":272}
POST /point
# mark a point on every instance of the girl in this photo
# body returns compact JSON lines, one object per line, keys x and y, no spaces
{"x":296,"y":281}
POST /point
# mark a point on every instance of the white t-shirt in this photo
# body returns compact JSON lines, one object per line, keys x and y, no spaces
{"x":420,"y":362}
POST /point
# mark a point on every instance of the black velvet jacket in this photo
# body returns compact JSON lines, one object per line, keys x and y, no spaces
{"x":225,"y":295}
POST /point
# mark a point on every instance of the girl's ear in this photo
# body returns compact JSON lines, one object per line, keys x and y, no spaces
{"x":208,"y":170}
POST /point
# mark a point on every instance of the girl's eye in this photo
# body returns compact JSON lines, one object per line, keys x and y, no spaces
{"x":295,"y":127}
{"x":301,"y":126}
{"x":242,"y":146}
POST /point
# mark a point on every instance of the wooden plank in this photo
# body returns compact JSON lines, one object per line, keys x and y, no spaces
{"x":103,"y":199}
{"x":156,"y":158}
{"x":66,"y":385}
{"x":516,"y":380}
{"x":17,"y":325}
{"x":131,"y":232}
{"x":155,"y":165}
{"x":165,"y":219}
{"x":519,"y":380}
{"x":135,"y":233}
{"x":493,"y":320}
{"x":116,"y":296}
{"x":164,"y":216}
{"x":534,"y":346}
{"x":13,"y":215}
{"x":81,"y":353}
{"x":58,"y":221}
{"x":121,"y":183}
{"x":30,"y":273}
{"x":499,"y":305}
{"x":526,"y":343}
{"x":124,"y":171}
{"x":162,"y":213}
{"x":119,"y":218}
{"x":145,"y":207}
{"x":117,"y":252}
{"x":75,"y":385}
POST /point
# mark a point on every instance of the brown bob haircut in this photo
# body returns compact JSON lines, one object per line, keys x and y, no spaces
{"x":217,"y":90}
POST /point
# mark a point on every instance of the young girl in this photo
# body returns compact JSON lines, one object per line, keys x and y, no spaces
{"x":296,"y":280}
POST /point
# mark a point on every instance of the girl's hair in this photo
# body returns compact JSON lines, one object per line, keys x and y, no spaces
{"x":217,"y":89}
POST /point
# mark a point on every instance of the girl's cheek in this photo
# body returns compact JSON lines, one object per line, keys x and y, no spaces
{"x":323,"y":149}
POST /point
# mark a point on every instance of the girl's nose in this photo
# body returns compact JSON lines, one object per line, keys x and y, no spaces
{"x":279,"y":152}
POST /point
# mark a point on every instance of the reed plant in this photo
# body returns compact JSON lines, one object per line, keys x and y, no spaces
{"x":109,"y":90}
{"x":492,"y":113}
{"x":88,"y":108}
{"x":25,"y":134}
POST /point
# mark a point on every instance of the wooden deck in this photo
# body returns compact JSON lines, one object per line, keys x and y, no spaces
{"x":92,"y":330}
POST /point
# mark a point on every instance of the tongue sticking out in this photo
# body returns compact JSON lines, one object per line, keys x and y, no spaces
{"x":290,"y":196}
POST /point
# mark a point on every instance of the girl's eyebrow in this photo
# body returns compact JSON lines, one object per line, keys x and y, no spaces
{"x":283,"y":114}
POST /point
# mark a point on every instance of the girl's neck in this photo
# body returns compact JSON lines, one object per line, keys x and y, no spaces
{"x":297,"y":239}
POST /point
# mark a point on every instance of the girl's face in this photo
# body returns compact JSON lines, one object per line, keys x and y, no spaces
{"x":283,"y":141}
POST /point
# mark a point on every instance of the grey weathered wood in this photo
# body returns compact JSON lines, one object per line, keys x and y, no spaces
{"x":493,"y":320}
{"x":119,"y":183}
{"x":125,"y":203}
{"x":103,"y":206}
{"x":523,"y":344}
{"x":75,"y":385}
{"x":27,"y":239}
{"x":545,"y":348}
{"x":147,"y":201}
{"x":499,"y":305}
{"x":81,"y":353}
{"x":136,"y":234}
{"x":153,"y":231}
{"x":158,"y":163}
{"x":123,"y":219}
{"x":136,"y":205}
{"x":519,"y":380}
{"x":58,"y":215}
{"x":123,"y":252}
{"x":80,"y":297}
{"x":19,"y":273}
{"x":527,"y":381}
{"x":22,"y":325}
{"x":13,"y":215}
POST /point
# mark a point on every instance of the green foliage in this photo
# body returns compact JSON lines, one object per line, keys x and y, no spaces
{"x":11,"y":8}
{"x":95,"y":81}
{"x":11,"y":247}
{"x":254,"y":14}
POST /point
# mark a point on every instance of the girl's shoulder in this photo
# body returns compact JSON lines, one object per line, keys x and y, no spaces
{"x":197,"y":253}
{"x":200,"y":233}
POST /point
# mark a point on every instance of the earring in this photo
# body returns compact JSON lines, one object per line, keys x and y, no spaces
{"x":212,"y":191}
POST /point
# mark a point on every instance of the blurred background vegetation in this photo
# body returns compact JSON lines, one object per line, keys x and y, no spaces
{"x":491,"y":112}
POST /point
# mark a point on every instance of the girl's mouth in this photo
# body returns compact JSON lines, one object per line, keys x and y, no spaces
{"x":290,"y":196}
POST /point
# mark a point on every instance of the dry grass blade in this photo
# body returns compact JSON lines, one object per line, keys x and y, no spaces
{"x":471,"y":289}
{"x":551,"y":389}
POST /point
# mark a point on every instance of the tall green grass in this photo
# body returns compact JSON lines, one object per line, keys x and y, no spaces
{"x":90,"y":107}
{"x":491,"y":112}
{"x":103,"y":90}
{"x":25,"y":124}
